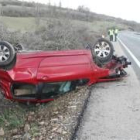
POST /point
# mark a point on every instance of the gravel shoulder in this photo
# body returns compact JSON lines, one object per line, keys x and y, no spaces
{"x":113,"y":111}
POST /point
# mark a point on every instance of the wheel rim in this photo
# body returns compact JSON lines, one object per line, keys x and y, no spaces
{"x":4,"y":53}
{"x":102,"y":49}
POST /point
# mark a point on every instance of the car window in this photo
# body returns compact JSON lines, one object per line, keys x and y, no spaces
{"x":24,"y":90}
{"x":42,"y":90}
{"x":57,"y":88}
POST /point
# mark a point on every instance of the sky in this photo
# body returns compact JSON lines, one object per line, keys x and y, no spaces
{"x":126,"y":9}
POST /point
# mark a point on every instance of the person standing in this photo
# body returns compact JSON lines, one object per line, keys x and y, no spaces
{"x":111,"y":33}
{"x":116,"y":33}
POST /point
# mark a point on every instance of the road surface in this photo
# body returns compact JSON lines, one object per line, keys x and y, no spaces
{"x":130,"y":42}
{"x":113,"y":110}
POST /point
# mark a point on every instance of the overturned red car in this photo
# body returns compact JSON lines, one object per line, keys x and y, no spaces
{"x":40,"y":76}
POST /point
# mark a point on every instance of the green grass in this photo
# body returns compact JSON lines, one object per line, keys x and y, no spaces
{"x":19,"y":23}
{"x":12,"y":118}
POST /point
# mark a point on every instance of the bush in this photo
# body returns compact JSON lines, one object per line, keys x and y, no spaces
{"x":12,"y":37}
{"x":59,"y":35}
{"x":83,"y":9}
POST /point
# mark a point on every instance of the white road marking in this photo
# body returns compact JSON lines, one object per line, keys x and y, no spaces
{"x":131,"y":54}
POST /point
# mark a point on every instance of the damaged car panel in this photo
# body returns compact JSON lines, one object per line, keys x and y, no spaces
{"x":40,"y":76}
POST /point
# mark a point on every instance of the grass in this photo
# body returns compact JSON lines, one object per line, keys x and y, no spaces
{"x":99,"y":26}
{"x":12,"y":118}
{"x":19,"y":23}
{"x":29,"y":24}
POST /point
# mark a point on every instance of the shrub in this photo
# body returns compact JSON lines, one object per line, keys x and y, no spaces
{"x":58,"y":35}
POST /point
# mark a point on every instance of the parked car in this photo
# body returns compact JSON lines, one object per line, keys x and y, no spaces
{"x":40,"y":76}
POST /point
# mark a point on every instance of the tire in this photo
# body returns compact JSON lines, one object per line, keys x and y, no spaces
{"x":10,"y":66}
{"x":7,"y":53}
{"x":102,"y":50}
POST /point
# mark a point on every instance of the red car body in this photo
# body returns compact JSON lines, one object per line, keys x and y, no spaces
{"x":55,"y":66}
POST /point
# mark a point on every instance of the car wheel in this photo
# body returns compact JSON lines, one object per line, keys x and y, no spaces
{"x":7,"y":53}
{"x":102,"y":50}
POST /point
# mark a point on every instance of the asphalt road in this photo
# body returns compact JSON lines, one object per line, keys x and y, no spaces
{"x":130,"y":42}
{"x":113,"y":110}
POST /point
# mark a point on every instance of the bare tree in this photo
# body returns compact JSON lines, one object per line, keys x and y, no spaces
{"x":1,"y":9}
{"x":83,"y":9}
{"x":60,"y":4}
{"x":37,"y":15}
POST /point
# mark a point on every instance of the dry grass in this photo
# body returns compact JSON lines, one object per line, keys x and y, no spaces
{"x":60,"y":34}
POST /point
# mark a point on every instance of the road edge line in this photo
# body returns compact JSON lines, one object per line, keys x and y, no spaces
{"x":131,"y":54}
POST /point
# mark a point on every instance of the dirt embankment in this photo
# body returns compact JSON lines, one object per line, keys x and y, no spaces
{"x":55,"y":120}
